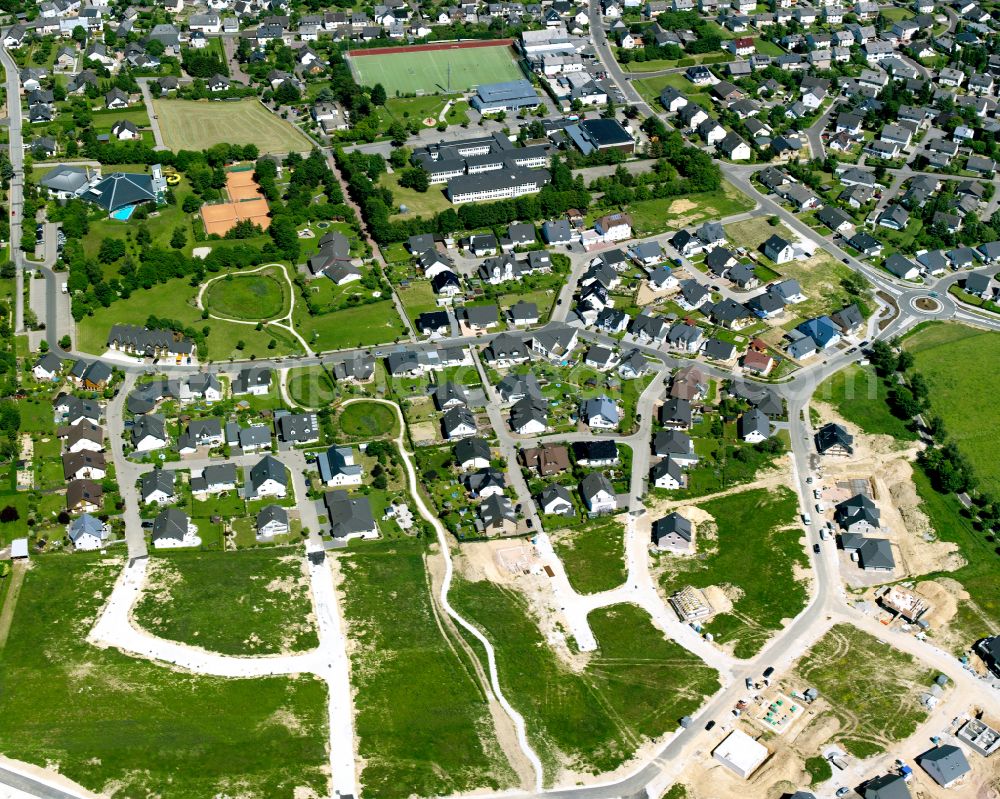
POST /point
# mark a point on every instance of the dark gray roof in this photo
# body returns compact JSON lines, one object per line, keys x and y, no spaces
{"x":120,"y":189}
{"x":171,"y":523}
{"x":268,"y":468}
{"x":944,"y":763}
{"x":348,"y":514}
{"x":158,"y":479}
{"x":673,"y":524}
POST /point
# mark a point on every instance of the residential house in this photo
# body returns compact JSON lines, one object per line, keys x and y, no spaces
{"x":598,"y":494}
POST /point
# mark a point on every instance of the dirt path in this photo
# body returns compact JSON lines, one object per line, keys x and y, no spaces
{"x":7,"y":614}
{"x":505,"y":731}
{"x":284,"y":321}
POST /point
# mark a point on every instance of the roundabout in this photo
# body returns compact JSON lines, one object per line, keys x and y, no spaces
{"x":928,"y":304}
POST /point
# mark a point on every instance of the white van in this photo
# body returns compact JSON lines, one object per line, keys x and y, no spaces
{"x":807,"y":519}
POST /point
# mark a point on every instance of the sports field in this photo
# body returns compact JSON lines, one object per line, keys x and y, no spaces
{"x":197,"y":125}
{"x":426,"y":71}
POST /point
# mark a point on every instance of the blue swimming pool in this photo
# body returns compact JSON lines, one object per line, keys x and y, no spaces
{"x":123,"y":213}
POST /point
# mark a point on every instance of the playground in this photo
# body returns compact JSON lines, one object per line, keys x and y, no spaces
{"x":448,"y":68}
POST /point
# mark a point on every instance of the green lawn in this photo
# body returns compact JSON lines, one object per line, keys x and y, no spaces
{"x":135,"y":728}
{"x":636,"y":686}
{"x":200,"y":124}
{"x":423,"y":726}
{"x":417,"y":298}
{"x":765,"y":47}
{"x":961,"y":366}
{"x":650,"y":89}
{"x":427,"y":203}
{"x":175,"y":300}
{"x":594,"y":556}
{"x":260,"y":295}
{"x":876,"y":698}
{"x":756,"y":549}
{"x":103,"y":121}
{"x":361,"y":326}
{"x":368,"y":420}
{"x":656,"y":216}
{"x":860,"y":397}
{"x":895,"y":14}
{"x":435,"y":71}
{"x":253,"y":602}
{"x":310,"y":386}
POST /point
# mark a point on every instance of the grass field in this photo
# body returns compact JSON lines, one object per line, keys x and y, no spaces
{"x":367,"y":420}
{"x":650,"y":89}
{"x":310,"y":386}
{"x":361,"y":326}
{"x":261,"y":295}
{"x":860,"y":397}
{"x":427,"y":71}
{"x":756,"y":549}
{"x":252,"y":602}
{"x":594,"y":556}
{"x":427,"y":203}
{"x":657,"y":216}
{"x":198,"y":125}
{"x":423,"y":728}
{"x":637,"y":685}
{"x":876,"y":699}
{"x":134,"y":728}
{"x":175,"y":300}
{"x":961,"y":367}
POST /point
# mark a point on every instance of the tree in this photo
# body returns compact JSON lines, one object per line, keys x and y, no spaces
{"x":285,"y":236}
{"x":287,"y":93}
{"x":9,"y":514}
{"x":399,"y":157}
{"x":178,"y":239}
{"x":902,"y":402}
{"x":415,"y":178}
{"x":883,"y":358}
{"x":65,"y":342}
{"x":111,"y":250}
{"x":79,"y":34}
{"x":190,"y":204}
{"x":378,"y":94}
{"x":905,"y":361}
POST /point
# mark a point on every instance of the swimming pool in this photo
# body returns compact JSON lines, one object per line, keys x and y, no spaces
{"x":123,"y":213}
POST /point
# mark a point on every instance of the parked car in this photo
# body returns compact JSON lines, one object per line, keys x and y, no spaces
{"x":816,"y":548}
{"x":709,"y":725}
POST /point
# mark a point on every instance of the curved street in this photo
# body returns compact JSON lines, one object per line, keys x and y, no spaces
{"x":828,"y":602}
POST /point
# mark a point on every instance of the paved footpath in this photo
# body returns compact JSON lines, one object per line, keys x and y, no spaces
{"x":329,"y":661}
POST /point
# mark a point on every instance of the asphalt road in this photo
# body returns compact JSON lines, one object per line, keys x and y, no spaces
{"x":826,"y":604}
{"x":16,"y":193}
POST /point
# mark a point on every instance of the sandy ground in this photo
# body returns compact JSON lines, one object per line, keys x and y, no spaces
{"x":648,"y":295}
{"x":887,"y":465}
{"x":478,"y":561}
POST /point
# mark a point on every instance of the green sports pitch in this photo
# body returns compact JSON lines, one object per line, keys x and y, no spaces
{"x":427,"y":71}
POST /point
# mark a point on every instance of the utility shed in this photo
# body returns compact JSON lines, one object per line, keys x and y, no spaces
{"x":741,"y":753}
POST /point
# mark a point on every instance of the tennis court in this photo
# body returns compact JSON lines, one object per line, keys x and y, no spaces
{"x":245,"y":202}
{"x":449,"y":69}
